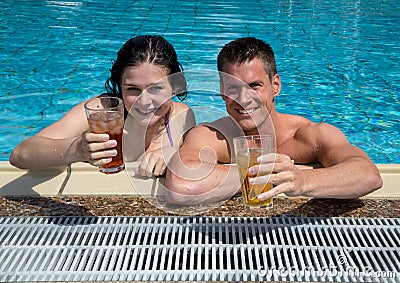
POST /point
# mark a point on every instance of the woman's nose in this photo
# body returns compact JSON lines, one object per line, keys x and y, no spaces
{"x":144,"y":98}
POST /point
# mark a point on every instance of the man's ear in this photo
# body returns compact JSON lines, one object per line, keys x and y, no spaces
{"x":223,"y":96}
{"x":276,"y":84}
{"x":221,"y":90}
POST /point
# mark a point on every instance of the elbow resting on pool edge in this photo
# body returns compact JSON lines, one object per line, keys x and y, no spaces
{"x":182,"y":192}
{"x":375,"y":179}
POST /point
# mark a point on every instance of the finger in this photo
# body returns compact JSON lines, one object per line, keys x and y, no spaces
{"x":92,"y":137}
{"x":152,"y":160}
{"x":91,"y":156}
{"x":259,"y":180}
{"x":267,"y":158}
{"x":146,"y":169}
{"x":303,"y":167}
{"x":273,"y":157}
{"x":286,"y":164}
{"x":143,"y":167}
{"x":100,"y":162}
{"x":276,"y":179}
{"x":103,"y":154}
{"x":160,"y":168}
{"x":285,"y":188}
{"x":269,"y":194}
{"x":276,"y":190}
{"x":261,"y":169}
{"x":151,"y":163}
{"x":100,"y":146}
{"x":136,"y":171}
{"x":140,"y":159}
{"x":268,"y":163}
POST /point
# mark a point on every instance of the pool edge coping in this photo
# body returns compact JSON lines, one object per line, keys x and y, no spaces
{"x":69,"y":180}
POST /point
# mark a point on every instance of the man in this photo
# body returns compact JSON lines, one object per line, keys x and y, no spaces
{"x":199,"y":174}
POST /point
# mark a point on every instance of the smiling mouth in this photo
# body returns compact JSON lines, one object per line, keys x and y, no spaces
{"x":246,"y":111}
{"x":146,"y":111}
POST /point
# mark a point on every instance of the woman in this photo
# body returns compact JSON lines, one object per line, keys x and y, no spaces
{"x":146,"y":74}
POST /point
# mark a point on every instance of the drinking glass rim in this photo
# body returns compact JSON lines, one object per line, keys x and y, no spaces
{"x":102,"y":98}
{"x":252,"y":137}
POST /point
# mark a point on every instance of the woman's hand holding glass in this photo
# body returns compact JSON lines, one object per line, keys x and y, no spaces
{"x":97,"y":149}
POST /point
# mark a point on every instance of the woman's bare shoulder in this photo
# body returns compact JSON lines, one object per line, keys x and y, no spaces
{"x":179,"y":106}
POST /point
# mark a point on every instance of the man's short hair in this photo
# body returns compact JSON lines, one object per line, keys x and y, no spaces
{"x":246,"y":49}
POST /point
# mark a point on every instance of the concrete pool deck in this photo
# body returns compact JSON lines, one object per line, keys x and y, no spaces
{"x":81,"y":179}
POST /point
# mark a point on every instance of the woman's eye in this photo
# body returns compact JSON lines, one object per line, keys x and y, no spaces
{"x":154,"y":89}
{"x":134,"y":90}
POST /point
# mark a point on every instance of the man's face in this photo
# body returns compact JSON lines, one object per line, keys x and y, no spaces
{"x":248,"y":93}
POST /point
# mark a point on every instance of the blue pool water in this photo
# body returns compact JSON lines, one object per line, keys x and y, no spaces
{"x":339,"y":61}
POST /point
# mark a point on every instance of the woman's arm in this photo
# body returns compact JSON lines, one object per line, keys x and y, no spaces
{"x":64,"y":142}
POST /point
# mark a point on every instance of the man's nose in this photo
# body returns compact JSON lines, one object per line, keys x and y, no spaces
{"x":244,"y":97}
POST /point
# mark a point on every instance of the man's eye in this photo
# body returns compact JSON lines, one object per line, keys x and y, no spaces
{"x":255,"y":86}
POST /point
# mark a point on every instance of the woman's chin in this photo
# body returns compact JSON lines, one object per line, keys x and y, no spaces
{"x":148,"y":121}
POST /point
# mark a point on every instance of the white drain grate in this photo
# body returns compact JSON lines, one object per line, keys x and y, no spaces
{"x":199,"y":249}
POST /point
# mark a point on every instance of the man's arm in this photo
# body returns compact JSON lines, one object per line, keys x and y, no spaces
{"x":347,"y":172}
{"x":194,"y":174}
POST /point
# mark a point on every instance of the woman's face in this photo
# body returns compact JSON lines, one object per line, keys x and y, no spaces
{"x":147,"y":92}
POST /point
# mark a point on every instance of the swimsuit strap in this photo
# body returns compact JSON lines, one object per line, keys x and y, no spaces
{"x":171,"y":142}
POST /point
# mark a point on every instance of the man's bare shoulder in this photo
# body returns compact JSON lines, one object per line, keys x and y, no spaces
{"x":222,"y":122}
{"x":203,"y":133}
{"x":200,"y":130}
{"x":319,"y":128}
{"x":307,"y":131}
{"x":320,"y":134}
{"x":226,"y":126}
{"x":209,"y":135}
{"x":295,"y":121}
